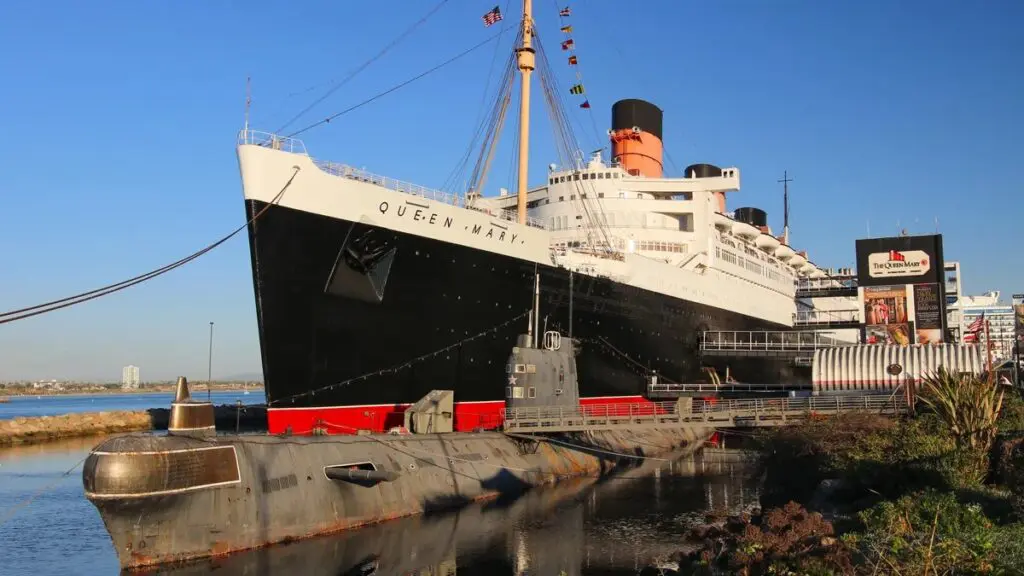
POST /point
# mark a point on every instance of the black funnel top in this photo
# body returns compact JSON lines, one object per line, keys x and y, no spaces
{"x":639,"y":113}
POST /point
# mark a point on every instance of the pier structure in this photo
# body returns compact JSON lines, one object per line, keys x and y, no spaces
{"x":688,"y":412}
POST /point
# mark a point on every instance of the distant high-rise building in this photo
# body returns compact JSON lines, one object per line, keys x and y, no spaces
{"x":130,"y":377}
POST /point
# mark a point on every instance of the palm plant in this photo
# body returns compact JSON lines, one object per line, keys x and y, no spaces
{"x":968,"y":403}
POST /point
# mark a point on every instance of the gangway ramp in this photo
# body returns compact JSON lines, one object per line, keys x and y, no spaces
{"x":774,"y":343}
{"x":738,"y":413}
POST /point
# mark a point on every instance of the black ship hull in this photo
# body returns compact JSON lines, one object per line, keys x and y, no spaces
{"x":355,"y":315}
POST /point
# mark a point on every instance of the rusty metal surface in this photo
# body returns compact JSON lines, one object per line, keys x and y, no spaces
{"x":283,"y":493}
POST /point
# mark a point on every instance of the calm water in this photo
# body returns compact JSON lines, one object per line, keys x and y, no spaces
{"x":54,"y":405}
{"x":615,"y":527}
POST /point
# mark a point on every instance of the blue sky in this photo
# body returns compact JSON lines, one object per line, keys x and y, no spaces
{"x":120,"y":119}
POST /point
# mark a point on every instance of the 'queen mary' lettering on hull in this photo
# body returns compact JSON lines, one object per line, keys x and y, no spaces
{"x":422,"y":213}
{"x":418,"y":212}
{"x":495,"y":231}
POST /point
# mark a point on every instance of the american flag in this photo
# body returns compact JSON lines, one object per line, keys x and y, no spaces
{"x":492,"y":17}
{"x":977,"y":325}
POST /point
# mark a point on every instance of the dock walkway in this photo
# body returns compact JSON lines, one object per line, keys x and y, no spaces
{"x":721,"y":414}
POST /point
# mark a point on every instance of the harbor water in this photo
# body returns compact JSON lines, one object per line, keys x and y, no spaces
{"x":616,"y":525}
{"x":30,"y":406}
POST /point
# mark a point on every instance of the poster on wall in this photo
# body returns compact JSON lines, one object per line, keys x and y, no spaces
{"x":885,"y":315}
{"x":927,"y":314}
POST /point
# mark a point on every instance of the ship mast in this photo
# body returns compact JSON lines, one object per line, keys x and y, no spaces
{"x":526,"y":59}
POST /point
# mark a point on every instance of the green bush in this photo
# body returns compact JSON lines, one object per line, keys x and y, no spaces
{"x":928,"y":532}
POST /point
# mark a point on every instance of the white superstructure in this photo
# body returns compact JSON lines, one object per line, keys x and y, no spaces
{"x":666,"y":235}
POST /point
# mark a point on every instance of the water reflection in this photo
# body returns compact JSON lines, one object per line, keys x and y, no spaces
{"x":615,"y":526}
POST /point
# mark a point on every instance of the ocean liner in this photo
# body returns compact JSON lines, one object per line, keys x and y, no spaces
{"x":370,"y":291}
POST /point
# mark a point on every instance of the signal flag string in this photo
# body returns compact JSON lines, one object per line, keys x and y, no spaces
{"x":569,"y":45}
{"x":53,"y":305}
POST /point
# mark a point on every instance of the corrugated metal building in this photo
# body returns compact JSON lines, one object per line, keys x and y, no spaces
{"x":865,"y":368}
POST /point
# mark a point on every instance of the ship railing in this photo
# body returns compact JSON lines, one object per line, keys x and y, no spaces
{"x":273,"y":141}
{"x":459,"y":200}
{"x":779,"y":340}
{"x":710,"y":412}
{"x":346,"y":171}
{"x":825,"y":316}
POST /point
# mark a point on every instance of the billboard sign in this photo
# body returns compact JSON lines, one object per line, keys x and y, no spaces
{"x":902,"y":288}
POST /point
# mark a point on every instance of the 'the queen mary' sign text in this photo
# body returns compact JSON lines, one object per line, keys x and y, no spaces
{"x":898,"y":263}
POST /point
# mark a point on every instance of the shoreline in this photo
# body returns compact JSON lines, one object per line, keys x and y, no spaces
{"x":115,"y":392}
{"x":28,"y":430}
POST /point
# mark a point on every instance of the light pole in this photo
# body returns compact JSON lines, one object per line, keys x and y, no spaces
{"x":209,"y":367}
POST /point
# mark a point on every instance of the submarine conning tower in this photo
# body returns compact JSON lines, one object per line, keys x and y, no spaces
{"x":636,"y":137}
{"x":542,"y":376}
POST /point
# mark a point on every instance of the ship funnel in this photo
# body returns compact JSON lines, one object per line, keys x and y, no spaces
{"x":636,"y":137}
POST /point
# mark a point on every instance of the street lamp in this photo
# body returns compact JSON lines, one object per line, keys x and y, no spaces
{"x":209,"y":367}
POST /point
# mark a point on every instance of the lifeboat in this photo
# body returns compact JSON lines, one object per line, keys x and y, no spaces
{"x":819,"y":273}
{"x":722,"y":222}
{"x":808,"y":269}
{"x":784,"y":252}
{"x":744,"y":230}
{"x":767,"y":242}
{"x":797,"y":261}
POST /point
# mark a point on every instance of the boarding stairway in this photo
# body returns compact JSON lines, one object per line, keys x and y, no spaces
{"x":687,"y":412}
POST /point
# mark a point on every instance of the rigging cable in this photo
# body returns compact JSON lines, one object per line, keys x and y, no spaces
{"x":328,"y":119}
{"x":408,"y":31}
{"x":397,"y":367}
{"x":460,"y":167}
{"x":53,"y":305}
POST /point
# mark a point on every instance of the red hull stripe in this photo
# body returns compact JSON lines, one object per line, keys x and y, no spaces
{"x":383,"y":417}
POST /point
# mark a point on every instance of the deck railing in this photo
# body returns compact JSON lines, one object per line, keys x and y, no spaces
{"x":296,"y":146}
{"x":273,"y":141}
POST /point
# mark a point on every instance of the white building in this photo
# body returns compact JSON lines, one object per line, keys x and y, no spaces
{"x":130,"y":377}
{"x":998,"y":315}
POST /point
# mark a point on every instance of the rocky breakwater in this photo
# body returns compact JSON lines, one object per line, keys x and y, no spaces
{"x":45,"y":428}
{"x":36,"y":429}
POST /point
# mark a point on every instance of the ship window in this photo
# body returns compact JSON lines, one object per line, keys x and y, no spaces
{"x":520,"y":368}
{"x":561,"y":198}
{"x":517,"y":391}
{"x":575,"y":176}
{"x":531,"y":368}
{"x":622,"y":194}
{"x":508,"y":368}
{"x":532,"y":393}
{"x":608,"y":175}
{"x":586,"y":176}
{"x":572,"y":196}
{"x":600,"y":175}
{"x":583,"y":195}
{"x":508,"y":391}
{"x":600,"y":194}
